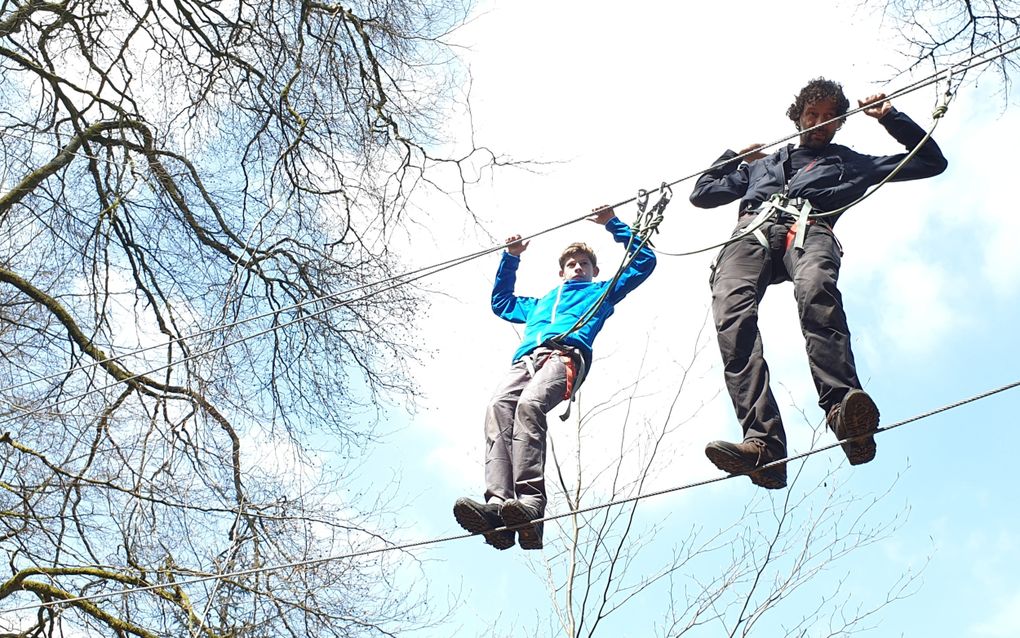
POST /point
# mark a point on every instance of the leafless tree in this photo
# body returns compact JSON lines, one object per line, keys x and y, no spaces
{"x":777,"y":554}
{"x":196,"y":202}
{"x":943,"y":32}
{"x":786,"y":557}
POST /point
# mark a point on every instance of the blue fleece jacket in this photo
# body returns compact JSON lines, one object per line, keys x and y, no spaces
{"x":560,"y":309}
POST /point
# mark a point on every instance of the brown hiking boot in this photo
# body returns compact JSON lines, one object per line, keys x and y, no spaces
{"x":743,"y":458}
{"x":516,"y":513}
{"x":480,"y":519}
{"x":856,"y":415}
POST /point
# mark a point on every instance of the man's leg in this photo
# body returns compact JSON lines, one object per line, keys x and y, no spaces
{"x":815,"y":272}
{"x":849,"y":410}
{"x":741,"y":277}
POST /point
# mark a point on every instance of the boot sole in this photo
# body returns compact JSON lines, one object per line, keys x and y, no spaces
{"x":860,"y":416}
{"x":770,"y":479}
{"x":475,"y":522}
{"x":529,"y":537}
{"x":773,"y":478}
{"x":728,"y":462}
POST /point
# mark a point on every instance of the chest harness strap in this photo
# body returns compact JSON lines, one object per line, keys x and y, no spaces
{"x":799,"y":228}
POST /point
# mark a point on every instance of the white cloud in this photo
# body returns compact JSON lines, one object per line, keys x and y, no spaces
{"x":1003,"y":622}
{"x":915,"y":307}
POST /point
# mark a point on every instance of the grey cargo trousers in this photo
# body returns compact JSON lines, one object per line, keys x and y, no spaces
{"x":744,"y":270}
{"x":515,"y":429}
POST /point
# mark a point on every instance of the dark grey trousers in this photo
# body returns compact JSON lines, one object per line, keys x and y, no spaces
{"x":515,"y":429}
{"x":744,"y":270}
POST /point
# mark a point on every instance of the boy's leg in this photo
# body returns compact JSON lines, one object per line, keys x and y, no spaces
{"x":499,"y":431}
{"x":544,"y":391}
{"x":499,"y":487}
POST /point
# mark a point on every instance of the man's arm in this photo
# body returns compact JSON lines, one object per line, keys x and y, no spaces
{"x":726,"y":181}
{"x":929,"y":160}
{"x":505,"y":303}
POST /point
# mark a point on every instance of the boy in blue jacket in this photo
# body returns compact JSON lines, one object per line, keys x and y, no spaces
{"x":547,"y":368}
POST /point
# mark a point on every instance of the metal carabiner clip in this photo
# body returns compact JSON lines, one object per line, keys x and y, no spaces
{"x":665,"y":194}
{"x":642,"y":200}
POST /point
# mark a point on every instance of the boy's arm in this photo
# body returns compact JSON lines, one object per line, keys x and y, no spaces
{"x":640,"y":267}
{"x":505,"y":303}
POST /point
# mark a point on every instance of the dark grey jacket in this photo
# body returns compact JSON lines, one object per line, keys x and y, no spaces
{"x":836,"y":177}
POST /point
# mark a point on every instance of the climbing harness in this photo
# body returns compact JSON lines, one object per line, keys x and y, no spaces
{"x":780,"y":207}
{"x":570,"y":357}
{"x":572,"y":360}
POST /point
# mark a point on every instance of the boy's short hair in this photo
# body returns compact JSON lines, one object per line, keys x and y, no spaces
{"x":577,"y":248}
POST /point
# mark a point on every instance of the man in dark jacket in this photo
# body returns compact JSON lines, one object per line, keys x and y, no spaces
{"x":826,"y":177}
{"x":559,"y":331}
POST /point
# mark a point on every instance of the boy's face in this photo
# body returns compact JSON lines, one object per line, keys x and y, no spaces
{"x":578,"y":267}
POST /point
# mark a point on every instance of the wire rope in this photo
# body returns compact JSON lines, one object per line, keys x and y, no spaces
{"x":414,"y":275}
{"x":453,"y":537}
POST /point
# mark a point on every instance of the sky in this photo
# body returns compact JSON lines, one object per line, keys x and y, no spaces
{"x":603,"y":99}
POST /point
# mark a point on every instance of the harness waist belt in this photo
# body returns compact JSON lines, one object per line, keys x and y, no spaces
{"x":781,"y":206}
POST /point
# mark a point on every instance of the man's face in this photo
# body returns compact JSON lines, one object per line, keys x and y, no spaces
{"x":815,"y":113}
{"x":578,"y":268}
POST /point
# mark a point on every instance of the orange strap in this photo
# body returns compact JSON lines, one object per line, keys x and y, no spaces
{"x":568,"y":361}
{"x":792,"y":233}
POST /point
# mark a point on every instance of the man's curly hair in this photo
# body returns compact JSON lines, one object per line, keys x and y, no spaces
{"x":815,"y":90}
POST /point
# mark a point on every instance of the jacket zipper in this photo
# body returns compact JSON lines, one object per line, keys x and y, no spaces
{"x":552,"y":320}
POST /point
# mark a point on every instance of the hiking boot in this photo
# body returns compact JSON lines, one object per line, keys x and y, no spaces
{"x":743,"y":458}
{"x":855,"y":416}
{"x":477,"y":518}
{"x":516,"y":513}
